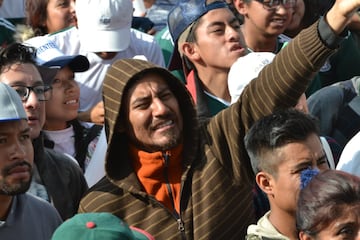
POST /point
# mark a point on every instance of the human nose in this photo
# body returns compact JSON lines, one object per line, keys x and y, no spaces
{"x":233,"y":33}
{"x":286,"y":7}
{"x":17,"y":150}
{"x":70,"y":85}
{"x":32,"y":101}
{"x":72,"y":7}
{"x":282,"y":10}
{"x":159,"y":107}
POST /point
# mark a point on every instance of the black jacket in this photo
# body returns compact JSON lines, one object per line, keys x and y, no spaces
{"x":62,"y":178}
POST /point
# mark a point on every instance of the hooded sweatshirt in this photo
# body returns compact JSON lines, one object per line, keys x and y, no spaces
{"x":264,"y":230}
{"x":216,"y":200}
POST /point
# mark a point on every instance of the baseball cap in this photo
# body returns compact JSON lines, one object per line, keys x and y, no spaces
{"x":49,"y":55}
{"x":181,"y":17}
{"x":104,"y":26}
{"x":245,"y":69}
{"x":11,"y":105}
{"x":47,"y":74}
{"x":95,"y":226}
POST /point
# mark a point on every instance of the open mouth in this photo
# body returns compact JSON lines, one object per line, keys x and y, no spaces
{"x":32,"y":118}
{"x":163,"y":125}
{"x":236,"y":47}
{"x":279,"y":21}
{"x":73,"y":101}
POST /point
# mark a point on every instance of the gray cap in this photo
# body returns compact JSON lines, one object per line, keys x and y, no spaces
{"x":11,"y":107}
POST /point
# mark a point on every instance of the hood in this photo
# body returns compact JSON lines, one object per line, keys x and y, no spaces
{"x":264,"y":230}
{"x":118,"y":80}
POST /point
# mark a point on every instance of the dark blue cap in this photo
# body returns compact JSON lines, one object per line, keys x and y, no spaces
{"x":182,"y":16}
{"x":186,"y":12}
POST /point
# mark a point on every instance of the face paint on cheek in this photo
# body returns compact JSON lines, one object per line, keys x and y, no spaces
{"x":306,"y":176}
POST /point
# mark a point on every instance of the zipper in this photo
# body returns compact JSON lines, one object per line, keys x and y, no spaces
{"x":181,"y":225}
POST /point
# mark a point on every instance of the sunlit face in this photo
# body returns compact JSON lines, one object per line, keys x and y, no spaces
{"x":64,"y":103}
{"x":344,"y":227}
{"x":219,"y":41}
{"x":16,"y":158}
{"x":266,"y":22}
{"x":28,"y":75}
{"x":59,"y":15}
{"x":294,"y":158}
{"x":297,"y":16}
{"x":154,"y":115}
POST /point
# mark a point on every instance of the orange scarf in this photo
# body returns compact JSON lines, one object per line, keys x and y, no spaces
{"x":150,"y":167}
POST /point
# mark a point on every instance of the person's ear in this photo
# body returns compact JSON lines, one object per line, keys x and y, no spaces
{"x":304,"y":236}
{"x":264,"y":181}
{"x":240,"y":6}
{"x":190,"y":51}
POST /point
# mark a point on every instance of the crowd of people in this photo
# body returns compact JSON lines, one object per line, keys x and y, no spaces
{"x":185,"y":119}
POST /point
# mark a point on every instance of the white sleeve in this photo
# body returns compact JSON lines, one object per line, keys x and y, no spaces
{"x":350,"y":156}
{"x":96,"y":168}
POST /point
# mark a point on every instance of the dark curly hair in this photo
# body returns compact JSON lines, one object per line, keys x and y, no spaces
{"x":16,"y":53}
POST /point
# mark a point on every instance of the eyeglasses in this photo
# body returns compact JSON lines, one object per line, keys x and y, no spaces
{"x":42,"y":92}
{"x":274,"y":4}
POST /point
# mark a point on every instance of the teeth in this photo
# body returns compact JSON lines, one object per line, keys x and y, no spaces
{"x":279,"y":20}
{"x":71,"y":102}
{"x":165,"y":124}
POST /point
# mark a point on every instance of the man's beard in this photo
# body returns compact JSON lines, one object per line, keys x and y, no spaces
{"x":14,"y":188}
{"x":174,"y":140}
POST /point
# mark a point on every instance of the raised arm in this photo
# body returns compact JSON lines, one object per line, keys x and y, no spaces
{"x":341,"y":13}
{"x":279,"y":85}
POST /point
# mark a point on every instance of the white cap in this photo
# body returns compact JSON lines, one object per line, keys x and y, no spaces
{"x":104,"y":25}
{"x":245,"y":69}
{"x":49,"y":55}
{"x":11,"y":105}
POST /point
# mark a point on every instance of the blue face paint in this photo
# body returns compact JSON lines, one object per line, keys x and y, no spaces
{"x":306,"y":176}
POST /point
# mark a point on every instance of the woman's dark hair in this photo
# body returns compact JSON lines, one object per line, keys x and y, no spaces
{"x":36,"y":15}
{"x":324,"y":199}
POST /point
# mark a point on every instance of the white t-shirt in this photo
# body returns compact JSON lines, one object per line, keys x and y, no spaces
{"x":64,"y":140}
{"x":90,"y":82}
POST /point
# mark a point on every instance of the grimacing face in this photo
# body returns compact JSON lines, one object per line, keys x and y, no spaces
{"x":153,"y":114}
{"x":295,"y":157}
{"x":16,"y":158}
